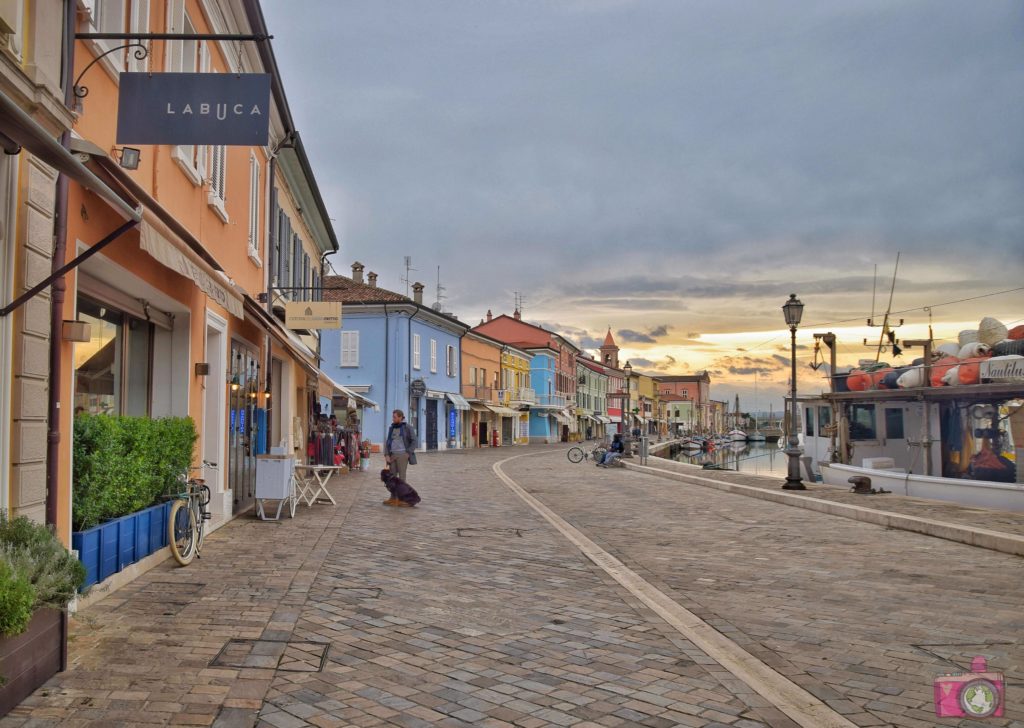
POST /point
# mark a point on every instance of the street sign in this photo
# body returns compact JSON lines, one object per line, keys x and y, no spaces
{"x":193,"y":108}
{"x":312,"y":315}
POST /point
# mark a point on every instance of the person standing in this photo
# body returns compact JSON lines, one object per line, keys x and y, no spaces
{"x":400,"y":445}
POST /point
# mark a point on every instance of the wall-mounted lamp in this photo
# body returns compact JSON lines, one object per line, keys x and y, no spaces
{"x":127,"y":157}
{"x":76,"y":331}
{"x":235,"y":384}
{"x":266,"y":393}
{"x":202,"y":368}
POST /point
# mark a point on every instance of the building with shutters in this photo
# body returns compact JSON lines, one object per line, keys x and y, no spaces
{"x":399,"y":353}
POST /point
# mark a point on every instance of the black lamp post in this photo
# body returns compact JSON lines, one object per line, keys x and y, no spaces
{"x":626,"y":426}
{"x":793,"y":310}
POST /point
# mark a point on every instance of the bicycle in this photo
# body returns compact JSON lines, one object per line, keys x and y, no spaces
{"x":577,"y":454}
{"x":188,"y":515}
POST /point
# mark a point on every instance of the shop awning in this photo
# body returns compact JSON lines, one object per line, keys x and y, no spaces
{"x":561,"y":417}
{"x":479,"y":407}
{"x":605,"y":419}
{"x":26,"y":132}
{"x":328,"y":384}
{"x":156,"y":239}
{"x":503,"y":411}
{"x":458,"y":400}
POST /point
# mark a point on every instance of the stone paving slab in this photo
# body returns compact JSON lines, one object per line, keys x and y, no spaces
{"x":471,"y":610}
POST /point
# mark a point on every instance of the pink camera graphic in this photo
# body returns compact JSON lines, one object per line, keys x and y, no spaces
{"x":975,"y":694}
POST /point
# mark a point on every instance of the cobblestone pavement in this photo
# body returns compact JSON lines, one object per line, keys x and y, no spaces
{"x":472,"y":610}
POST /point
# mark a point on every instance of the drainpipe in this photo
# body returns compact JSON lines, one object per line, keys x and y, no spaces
{"x":408,"y":347}
{"x":60,"y":233}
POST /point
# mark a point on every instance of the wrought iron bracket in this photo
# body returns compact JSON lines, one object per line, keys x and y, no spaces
{"x":141,"y":50}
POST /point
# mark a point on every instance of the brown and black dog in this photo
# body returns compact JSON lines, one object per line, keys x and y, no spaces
{"x":402,"y":494}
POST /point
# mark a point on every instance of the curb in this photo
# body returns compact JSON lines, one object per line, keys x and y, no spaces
{"x":982,"y":538}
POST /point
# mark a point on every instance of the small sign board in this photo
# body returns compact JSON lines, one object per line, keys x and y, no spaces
{"x":418,"y":387}
{"x":1002,"y":369}
{"x":312,"y":315}
{"x":193,"y":108}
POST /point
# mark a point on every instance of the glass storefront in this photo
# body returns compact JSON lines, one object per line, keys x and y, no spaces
{"x":243,"y":399}
{"x":113,"y":369}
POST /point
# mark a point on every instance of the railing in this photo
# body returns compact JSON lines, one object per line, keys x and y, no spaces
{"x":519,"y":394}
{"x":477,"y":391}
{"x":551,"y":400}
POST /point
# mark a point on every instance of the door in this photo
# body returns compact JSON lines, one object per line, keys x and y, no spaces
{"x":242,"y":395}
{"x":483,"y":433}
{"x":507,"y":423}
{"x":214,"y":403}
{"x":431,"y":424}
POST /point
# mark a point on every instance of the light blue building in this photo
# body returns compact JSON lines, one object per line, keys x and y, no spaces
{"x":399,"y":353}
{"x":547,"y":406}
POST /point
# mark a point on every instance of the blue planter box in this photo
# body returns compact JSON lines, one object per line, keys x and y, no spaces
{"x":109,"y":547}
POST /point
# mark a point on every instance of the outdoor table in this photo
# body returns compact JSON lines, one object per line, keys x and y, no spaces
{"x":313,"y":486}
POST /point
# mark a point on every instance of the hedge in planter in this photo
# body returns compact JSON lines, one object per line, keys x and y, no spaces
{"x":123,"y":464}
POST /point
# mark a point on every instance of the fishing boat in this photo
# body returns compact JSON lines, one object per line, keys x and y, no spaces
{"x":736,"y":435}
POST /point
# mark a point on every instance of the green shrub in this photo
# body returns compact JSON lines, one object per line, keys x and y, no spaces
{"x":34,"y":553}
{"x":122,"y":464}
{"x":16,"y":599}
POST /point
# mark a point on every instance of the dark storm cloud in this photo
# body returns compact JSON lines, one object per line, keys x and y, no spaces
{"x":631,"y":156}
{"x":639,"y":337}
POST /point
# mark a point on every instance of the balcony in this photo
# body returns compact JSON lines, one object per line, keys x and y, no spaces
{"x":551,"y":400}
{"x":520,"y":395}
{"x":478,"y":392}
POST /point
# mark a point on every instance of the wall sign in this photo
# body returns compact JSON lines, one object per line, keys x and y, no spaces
{"x":312,"y":314}
{"x":193,"y":108}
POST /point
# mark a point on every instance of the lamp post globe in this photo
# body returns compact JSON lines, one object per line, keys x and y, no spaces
{"x":793,"y":310}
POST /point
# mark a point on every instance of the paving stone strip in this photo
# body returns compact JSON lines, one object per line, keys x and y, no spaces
{"x":951,"y":521}
{"x":790,"y":698}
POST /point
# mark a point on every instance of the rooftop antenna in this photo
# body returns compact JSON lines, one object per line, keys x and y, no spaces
{"x":408,"y":269}
{"x":440,"y":290}
{"x":888,"y":333}
{"x":519,"y":302}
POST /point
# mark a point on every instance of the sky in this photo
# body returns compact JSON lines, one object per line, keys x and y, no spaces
{"x":672,"y":170}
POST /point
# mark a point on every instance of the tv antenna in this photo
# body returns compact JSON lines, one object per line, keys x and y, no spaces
{"x":408,"y":269}
{"x":519,"y":302}
{"x":440,"y":290}
{"x":888,"y":331}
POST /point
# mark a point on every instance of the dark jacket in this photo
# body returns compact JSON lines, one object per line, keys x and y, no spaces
{"x":408,"y":437}
{"x":617,"y":446}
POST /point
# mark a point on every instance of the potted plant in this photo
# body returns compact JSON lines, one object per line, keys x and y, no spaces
{"x":38,"y":579}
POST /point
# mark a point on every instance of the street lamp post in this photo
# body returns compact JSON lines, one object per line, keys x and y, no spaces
{"x":793,"y":311}
{"x":626,"y":429}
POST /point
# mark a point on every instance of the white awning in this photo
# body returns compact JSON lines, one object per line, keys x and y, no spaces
{"x":458,"y":400}
{"x":604,"y":419}
{"x":479,"y":407}
{"x":561,"y":417}
{"x":503,"y":411}
{"x":156,"y":239}
{"x":342,"y":389}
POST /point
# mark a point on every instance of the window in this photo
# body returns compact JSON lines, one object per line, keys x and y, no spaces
{"x":451,"y":366}
{"x":138,"y":23}
{"x":415,"y":351}
{"x":186,"y":56}
{"x":349,"y":348}
{"x":305,"y":277}
{"x":824,"y":418}
{"x":433,"y":356}
{"x":113,"y":368}
{"x":894,"y":424}
{"x":862,"y":422}
{"x":12,"y":15}
{"x":809,"y":421}
{"x":254,"y":207}
{"x":218,"y":161}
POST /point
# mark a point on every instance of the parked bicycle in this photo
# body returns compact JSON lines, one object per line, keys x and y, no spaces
{"x":189,"y":514}
{"x":578,"y":454}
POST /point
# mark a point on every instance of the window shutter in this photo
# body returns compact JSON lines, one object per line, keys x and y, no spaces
{"x":433,"y":356}
{"x":296,"y":264}
{"x":175,"y":24}
{"x":305,"y":277}
{"x":139,"y":24}
{"x":416,"y":351}
{"x":349,"y":348}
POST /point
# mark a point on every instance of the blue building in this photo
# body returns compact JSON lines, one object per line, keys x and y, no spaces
{"x":546,"y":409}
{"x":399,"y":353}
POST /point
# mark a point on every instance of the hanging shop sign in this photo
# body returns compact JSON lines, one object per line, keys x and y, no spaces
{"x":232,"y":109}
{"x":312,"y":315}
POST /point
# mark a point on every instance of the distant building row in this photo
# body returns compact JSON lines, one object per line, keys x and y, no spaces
{"x":501,"y":382}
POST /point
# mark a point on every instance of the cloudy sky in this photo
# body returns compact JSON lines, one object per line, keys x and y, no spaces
{"x":673,"y":169}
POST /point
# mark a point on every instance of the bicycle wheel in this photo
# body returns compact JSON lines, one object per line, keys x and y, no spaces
{"x":575,"y":454}
{"x":181,"y":528}
{"x":598,"y":453}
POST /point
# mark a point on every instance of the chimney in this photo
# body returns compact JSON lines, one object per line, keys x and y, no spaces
{"x":489,"y":317}
{"x":357,"y":272}
{"x":373,"y":279}
{"x":417,"y":292}
{"x":516,"y":315}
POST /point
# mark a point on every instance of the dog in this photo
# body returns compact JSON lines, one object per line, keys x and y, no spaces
{"x":402,"y":494}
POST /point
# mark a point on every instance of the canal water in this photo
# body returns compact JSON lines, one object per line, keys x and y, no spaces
{"x":763,"y":458}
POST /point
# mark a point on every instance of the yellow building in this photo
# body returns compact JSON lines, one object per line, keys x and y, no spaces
{"x":515,"y":393}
